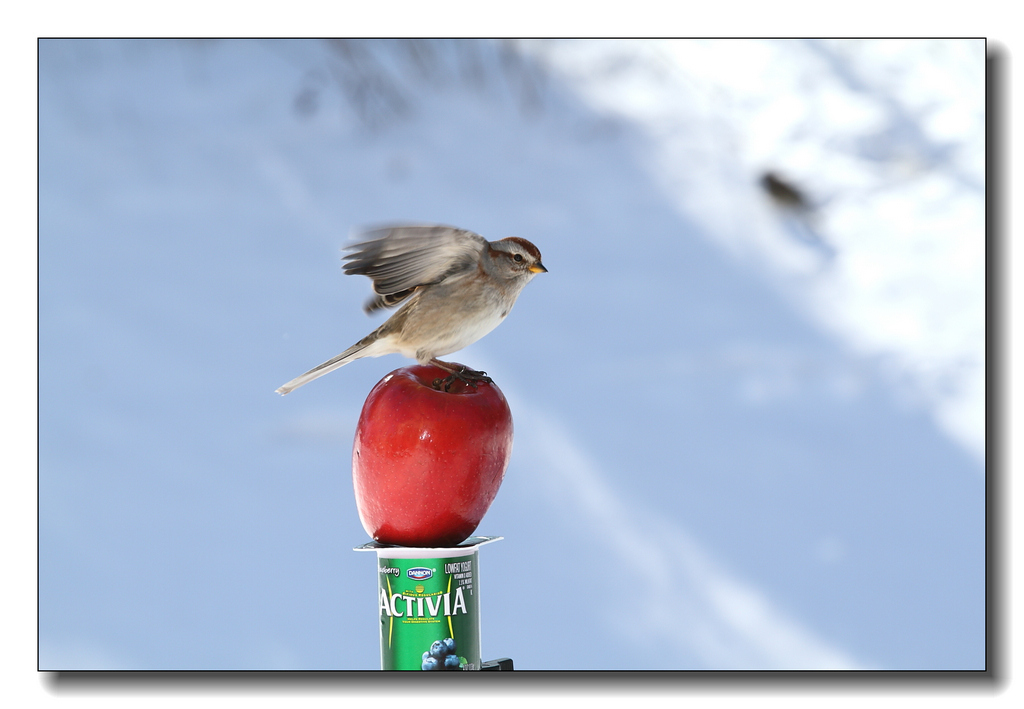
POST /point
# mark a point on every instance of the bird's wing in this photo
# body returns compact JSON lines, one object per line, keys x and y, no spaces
{"x":402,"y":258}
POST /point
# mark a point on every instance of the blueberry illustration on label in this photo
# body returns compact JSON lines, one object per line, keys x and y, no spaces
{"x":449,"y":645}
{"x":438,"y":650}
{"x":430,"y":663}
{"x":451,"y":662}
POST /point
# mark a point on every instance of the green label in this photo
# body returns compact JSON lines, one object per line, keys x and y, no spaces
{"x":429,"y":613}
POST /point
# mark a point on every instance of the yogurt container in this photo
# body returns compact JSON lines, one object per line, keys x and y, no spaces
{"x":428,"y":601}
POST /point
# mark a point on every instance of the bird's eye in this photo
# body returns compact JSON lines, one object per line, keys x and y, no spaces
{"x":517,"y":258}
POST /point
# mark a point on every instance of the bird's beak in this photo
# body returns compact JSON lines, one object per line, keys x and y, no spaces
{"x":538,"y":268}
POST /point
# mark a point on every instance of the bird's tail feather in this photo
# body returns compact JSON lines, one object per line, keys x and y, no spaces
{"x":354,"y":352}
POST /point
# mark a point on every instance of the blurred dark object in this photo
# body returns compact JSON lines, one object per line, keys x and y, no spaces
{"x":798,"y":213}
{"x":384,"y":80}
{"x":783,"y":193}
{"x":502,"y":664}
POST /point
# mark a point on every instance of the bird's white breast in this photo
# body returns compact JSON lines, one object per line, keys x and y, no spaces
{"x":469,"y":333}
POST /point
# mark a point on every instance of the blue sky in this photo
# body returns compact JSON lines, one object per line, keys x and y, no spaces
{"x":727,"y":455}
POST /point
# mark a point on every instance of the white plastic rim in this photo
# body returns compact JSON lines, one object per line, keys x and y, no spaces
{"x":467,"y":547}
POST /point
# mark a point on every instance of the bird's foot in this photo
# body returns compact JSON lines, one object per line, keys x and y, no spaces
{"x":472,"y":377}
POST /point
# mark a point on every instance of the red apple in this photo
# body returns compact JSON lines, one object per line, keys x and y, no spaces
{"x":427,"y":463}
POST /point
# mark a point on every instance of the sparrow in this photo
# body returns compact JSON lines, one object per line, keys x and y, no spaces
{"x":454,"y":287}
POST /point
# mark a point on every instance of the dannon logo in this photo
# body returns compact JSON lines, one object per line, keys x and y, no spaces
{"x":420,"y":573}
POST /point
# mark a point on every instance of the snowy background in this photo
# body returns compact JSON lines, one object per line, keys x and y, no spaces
{"x":747,"y":435}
